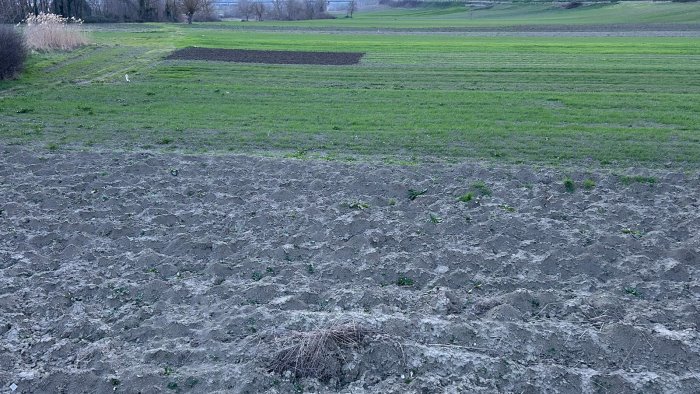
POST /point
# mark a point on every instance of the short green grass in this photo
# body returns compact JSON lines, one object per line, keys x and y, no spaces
{"x":466,"y":197}
{"x":415,"y":193}
{"x":633,"y":291}
{"x":481,"y":188}
{"x":616,"y":100}
{"x":569,"y":185}
{"x":631,"y":179}
{"x":539,"y":13}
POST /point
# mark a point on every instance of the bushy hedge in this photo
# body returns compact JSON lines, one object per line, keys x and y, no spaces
{"x":13,"y":52}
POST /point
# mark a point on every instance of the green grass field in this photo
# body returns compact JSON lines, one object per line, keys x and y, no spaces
{"x":632,"y":12}
{"x":415,"y":95}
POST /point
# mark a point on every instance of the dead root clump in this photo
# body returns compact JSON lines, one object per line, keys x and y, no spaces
{"x":319,"y":353}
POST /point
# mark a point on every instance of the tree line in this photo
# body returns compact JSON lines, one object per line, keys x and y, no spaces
{"x":96,"y":11}
{"x":282,"y":9}
{"x":14,"y":11}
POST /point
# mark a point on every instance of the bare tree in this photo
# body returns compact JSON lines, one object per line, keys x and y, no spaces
{"x":277,"y":9}
{"x":70,"y":8}
{"x":190,"y":7}
{"x":12,"y":11}
{"x":148,"y":10}
{"x":244,"y":8}
{"x":310,"y":8}
{"x":120,"y":10}
{"x":352,"y":7}
{"x":94,"y":5}
{"x":315,"y":8}
{"x":170,"y":10}
{"x":294,"y":9}
{"x":206,"y":11}
{"x":258,"y":8}
{"x":321,"y":6}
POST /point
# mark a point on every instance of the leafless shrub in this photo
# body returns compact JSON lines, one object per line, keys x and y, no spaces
{"x":207,"y":12}
{"x":244,"y":9}
{"x":204,"y":9}
{"x":278,"y":9}
{"x":171,"y":11}
{"x":294,"y":8}
{"x":317,"y":353}
{"x":316,"y":9}
{"x":13,"y":11}
{"x":13,"y":52}
{"x":352,"y":7}
{"x":258,"y":9}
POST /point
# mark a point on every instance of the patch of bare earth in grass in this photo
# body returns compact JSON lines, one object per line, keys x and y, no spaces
{"x":268,"y":57}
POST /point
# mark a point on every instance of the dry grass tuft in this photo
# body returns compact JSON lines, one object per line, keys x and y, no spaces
{"x":319,"y":353}
{"x":45,"y":32}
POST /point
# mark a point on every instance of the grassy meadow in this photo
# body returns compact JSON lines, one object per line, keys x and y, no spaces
{"x":501,"y":15}
{"x":416,"y":95}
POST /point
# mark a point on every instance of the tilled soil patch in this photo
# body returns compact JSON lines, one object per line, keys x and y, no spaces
{"x":268,"y":57}
{"x":153,"y":273}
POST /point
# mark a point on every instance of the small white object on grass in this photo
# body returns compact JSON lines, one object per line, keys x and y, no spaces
{"x":13,"y":387}
{"x":126,"y":76}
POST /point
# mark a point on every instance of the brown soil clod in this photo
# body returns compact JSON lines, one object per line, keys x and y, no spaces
{"x":267,"y":57}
